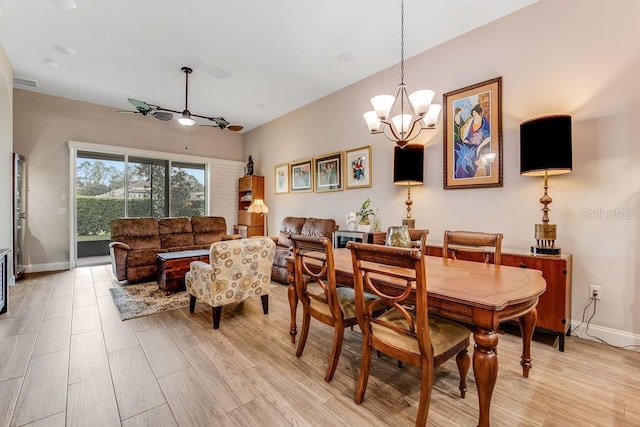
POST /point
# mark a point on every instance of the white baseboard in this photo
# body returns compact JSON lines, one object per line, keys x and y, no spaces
{"x":613,"y":337}
{"x":54,"y":266}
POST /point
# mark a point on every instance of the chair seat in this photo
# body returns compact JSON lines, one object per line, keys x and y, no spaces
{"x":346,"y":299}
{"x":445,"y":334}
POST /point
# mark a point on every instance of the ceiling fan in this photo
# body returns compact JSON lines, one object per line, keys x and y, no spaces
{"x":185,"y":118}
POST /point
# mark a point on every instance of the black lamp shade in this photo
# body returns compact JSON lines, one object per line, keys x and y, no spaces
{"x":545,"y":145}
{"x":408,"y":164}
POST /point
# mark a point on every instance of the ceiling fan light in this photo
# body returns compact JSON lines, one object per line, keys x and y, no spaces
{"x":186,"y":120}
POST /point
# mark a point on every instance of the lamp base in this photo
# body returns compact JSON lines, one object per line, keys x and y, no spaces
{"x":410,"y":223}
{"x":544,"y":251}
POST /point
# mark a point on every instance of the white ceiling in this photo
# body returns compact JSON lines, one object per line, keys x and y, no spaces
{"x":252,"y":61}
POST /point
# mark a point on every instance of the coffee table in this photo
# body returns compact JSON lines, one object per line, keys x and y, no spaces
{"x":172,"y":266}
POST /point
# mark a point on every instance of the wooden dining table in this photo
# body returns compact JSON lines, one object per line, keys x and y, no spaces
{"x":483,"y":295}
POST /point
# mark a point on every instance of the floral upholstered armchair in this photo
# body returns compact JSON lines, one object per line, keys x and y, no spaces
{"x":237,"y":270}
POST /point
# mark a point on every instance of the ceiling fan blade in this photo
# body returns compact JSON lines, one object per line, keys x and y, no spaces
{"x":162,"y":115}
{"x":141,"y":106}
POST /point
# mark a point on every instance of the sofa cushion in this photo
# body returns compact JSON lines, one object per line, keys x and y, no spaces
{"x":175,"y":232}
{"x":319,"y":227}
{"x":290,"y":225}
{"x":138,"y":233}
{"x":208,"y":229}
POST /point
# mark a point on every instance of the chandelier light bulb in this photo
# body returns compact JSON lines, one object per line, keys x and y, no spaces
{"x":431,"y":118}
{"x":402,"y":122}
{"x":383,"y":104}
{"x":420,"y":101}
{"x":373,"y":122}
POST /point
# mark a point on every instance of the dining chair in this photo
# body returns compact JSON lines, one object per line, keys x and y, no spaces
{"x":405,"y":331}
{"x":473,"y":242}
{"x":321,"y":298}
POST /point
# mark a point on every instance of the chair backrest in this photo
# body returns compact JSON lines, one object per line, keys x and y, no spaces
{"x":391,"y":333}
{"x":313,"y":262}
{"x":242,"y":269}
{"x":473,"y":241}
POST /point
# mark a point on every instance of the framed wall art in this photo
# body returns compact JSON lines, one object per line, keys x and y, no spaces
{"x":358,"y":167}
{"x":282,"y":178}
{"x":328,"y":172}
{"x":301,"y":175}
{"x":473,"y":136}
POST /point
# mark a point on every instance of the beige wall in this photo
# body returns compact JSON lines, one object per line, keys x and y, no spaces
{"x":575,"y":57}
{"x":44,"y":125}
{"x":6,"y":150}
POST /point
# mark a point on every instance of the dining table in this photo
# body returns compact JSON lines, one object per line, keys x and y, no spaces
{"x":478,"y":294}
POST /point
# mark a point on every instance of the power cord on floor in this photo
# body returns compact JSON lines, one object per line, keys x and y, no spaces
{"x":594,"y":302}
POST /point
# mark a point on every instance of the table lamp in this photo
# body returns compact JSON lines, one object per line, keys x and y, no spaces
{"x":545,"y":149}
{"x":258,"y":206}
{"x":408,"y":168}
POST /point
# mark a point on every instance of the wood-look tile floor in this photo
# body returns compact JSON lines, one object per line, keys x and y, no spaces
{"x":67,"y":359}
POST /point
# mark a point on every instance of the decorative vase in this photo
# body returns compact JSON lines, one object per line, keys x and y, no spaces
{"x":399,"y":236}
{"x":365,"y":228}
{"x":351,"y":221}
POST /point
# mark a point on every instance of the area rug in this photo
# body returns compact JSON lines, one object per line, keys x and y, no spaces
{"x":144,"y":299}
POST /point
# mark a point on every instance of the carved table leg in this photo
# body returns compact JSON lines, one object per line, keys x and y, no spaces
{"x":293,"y":306}
{"x":485,"y":370}
{"x":527,"y":325}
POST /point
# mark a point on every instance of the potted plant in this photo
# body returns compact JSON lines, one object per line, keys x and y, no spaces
{"x":364,"y":223}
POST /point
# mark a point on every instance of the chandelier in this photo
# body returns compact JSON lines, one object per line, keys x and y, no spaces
{"x":416,"y":112}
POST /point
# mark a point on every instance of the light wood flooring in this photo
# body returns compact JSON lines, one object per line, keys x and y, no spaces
{"x":67,"y":359}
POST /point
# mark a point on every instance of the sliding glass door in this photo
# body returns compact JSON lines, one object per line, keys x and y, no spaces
{"x":112,"y":186}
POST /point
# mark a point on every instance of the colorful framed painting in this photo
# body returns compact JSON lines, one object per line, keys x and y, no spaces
{"x":301,"y":176}
{"x":473,"y":136}
{"x":282,"y":178}
{"x":358,"y":167}
{"x":328,"y":172}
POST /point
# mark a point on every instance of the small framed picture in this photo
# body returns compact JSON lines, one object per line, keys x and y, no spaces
{"x":328,"y":172}
{"x":282,"y":178}
{"x":301,"y":176}
{"x":473,"y":136}
{"x":358,"y":167}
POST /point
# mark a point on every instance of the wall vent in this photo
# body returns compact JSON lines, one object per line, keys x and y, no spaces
{"x":25,"y":82}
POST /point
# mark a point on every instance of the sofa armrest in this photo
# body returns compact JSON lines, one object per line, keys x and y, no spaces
{"x":119,"y":245}
{"x":231,"y":237}
{"x":119,"y":252}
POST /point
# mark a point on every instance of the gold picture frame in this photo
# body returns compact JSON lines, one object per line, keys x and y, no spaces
{"x":328,"y":172}
{"x":472,"y":150}
{"x":301,"y":176}
{"x":282,"y":178}
{"x":358,"y":168}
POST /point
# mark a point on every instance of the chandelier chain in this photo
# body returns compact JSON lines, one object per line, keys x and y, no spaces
{"x":402,"y":42}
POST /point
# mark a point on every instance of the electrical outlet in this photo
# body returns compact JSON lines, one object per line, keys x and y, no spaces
{"x":595,"y":292}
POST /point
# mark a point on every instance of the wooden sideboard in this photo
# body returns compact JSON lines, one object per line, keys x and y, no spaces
{"x":554,"y":306}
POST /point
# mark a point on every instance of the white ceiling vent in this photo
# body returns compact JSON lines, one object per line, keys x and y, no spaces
{"x":25,"y":82}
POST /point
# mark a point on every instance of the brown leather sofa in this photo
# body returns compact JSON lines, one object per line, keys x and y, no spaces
{"x":296,"y":225}
{"x":135,"y":242}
